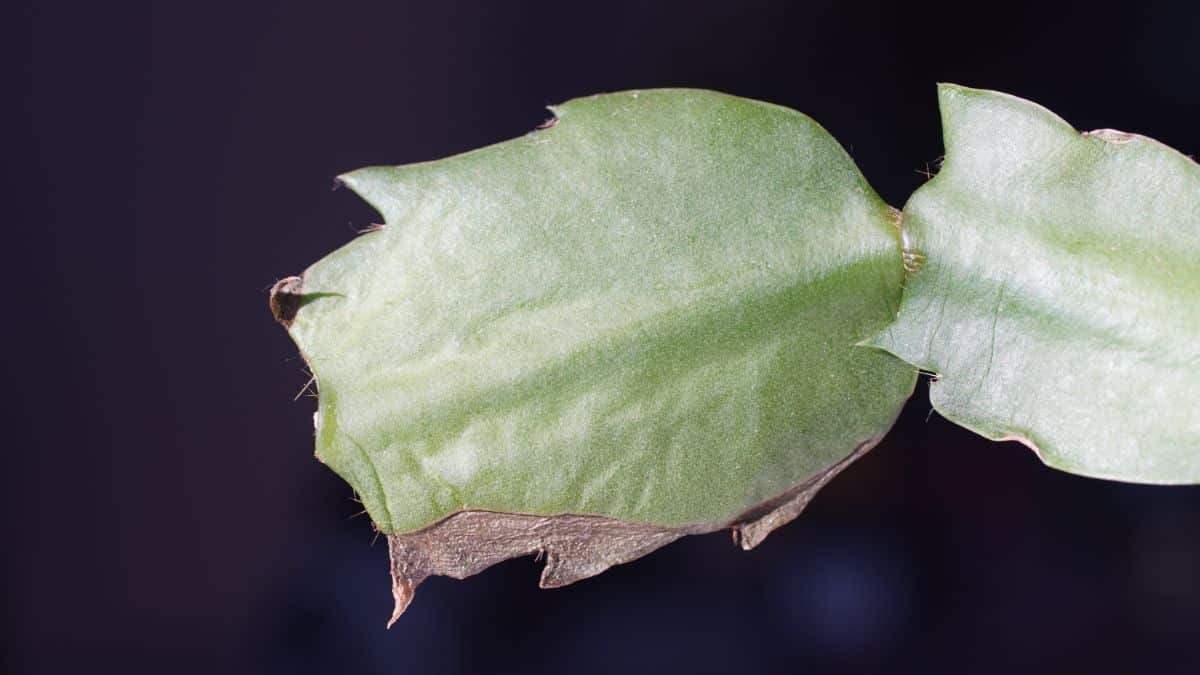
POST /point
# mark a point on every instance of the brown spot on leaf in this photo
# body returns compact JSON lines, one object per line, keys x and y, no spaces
{"x":1110,"y":135}
{"x":285,"y":299}
{"x":575,"y":547}
{"x":1025,"y":441}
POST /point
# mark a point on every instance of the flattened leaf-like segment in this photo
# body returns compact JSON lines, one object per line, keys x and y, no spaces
{"x":647,"y":312}
{"x":1059,"y":302}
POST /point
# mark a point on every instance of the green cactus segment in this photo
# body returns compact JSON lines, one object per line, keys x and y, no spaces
{"x":648,"y":311}
{"x":1059,"y":301}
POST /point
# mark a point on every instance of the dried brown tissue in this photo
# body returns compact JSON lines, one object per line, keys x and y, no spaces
{"x":574,"y":547}
{"x":285,"y":299}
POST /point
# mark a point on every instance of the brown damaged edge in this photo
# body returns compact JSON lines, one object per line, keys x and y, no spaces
{"x":285,"y":299}
{"x":575,"y":547}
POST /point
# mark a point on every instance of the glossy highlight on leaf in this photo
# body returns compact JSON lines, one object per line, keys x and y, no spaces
{"x":1059,"y":298}
{"x":647,"y":313}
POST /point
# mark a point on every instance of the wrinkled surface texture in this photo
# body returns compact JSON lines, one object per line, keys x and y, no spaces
{"x":1059,"y":303}
{"x":647,"y":311}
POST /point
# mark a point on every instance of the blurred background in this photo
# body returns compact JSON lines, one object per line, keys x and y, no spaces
{"x":163,"y":512}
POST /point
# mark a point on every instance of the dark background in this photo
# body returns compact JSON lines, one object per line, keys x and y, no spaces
{"x":163,"y":511}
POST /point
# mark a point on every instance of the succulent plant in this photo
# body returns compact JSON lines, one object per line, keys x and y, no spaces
{"x":671,"y":312}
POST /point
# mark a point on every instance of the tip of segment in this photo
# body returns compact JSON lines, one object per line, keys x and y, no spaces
{"x":402,"y":595}
{"x":285,"y":299}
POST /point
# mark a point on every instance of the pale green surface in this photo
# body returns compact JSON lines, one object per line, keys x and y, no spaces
{"x":647,"y":312}
{"x":1060,"y":300}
